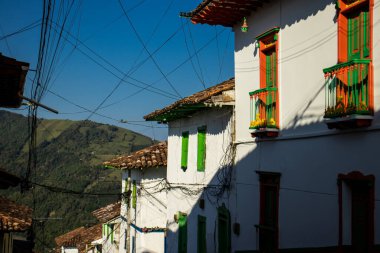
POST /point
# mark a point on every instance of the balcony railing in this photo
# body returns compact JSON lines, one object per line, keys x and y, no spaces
{"x":263,"y":109}
{"x":348,"y":89}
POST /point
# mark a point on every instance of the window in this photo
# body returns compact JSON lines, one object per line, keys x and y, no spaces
{"x":349,"y":90}
{"x":264,"y":101}
{"x":111,"y":228}
{"x":182,"y":233}
{"x":224,"y":230}
{"x":358,"y":35}
{"x":268,"y":227}
{"x":201,"y":242}
{"x":185,"y":149}
{"x":201,"y":157}
{"x":107,"y":231}
{"x":134,"y":194}
{"x":356,"y":207}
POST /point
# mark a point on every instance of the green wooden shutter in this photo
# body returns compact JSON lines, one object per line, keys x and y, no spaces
{"x":182,"y":233}
{"x":353,"y":32}
{"x":201,"y":149}
{"x":274,"y":68}
{"x":201,"y":240}
{"x":365,"y":33}
{"x":112,"y":226}
{"x":185,"y":149}
{"x":268,"y":71}
{"x":134,"y":194}
{"x":271,"y":69}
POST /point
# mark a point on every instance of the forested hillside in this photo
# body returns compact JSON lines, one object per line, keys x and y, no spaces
{"x":69,"y":156}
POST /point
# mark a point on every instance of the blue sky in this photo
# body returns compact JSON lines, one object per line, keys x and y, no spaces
{"x":106,"y":34}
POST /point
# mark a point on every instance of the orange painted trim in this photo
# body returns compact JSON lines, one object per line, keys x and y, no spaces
{"x":351,"y":7}
{"x":343,"y":41}
{"x":342,"y":38}
{"x":262,"y":66}
{"x":278,"y":88}
{"x":370,"y":74}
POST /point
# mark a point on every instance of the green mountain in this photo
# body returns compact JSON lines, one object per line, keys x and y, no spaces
{"x":69,"y":157}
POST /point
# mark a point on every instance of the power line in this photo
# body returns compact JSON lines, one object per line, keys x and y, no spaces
{"x":96,"y":113}
{"x":23,"y":29}
{"x":191,"y":61}
{"x":195,"y":50}
{"x":146,"y":87}
{"x":147,"y":51}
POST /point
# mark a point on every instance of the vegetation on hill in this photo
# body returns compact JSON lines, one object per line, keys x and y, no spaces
{"x":69,"y":155}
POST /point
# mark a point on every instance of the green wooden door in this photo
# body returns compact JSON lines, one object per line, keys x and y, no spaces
{"x":182,"y":233}
{"x":201,"y":235}
{"x":358,"y":35}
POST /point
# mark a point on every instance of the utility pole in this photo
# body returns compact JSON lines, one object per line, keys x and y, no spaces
{"x":128,"y":212}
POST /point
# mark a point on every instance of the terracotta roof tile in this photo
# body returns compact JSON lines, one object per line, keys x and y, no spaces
{"x":149,"y":157}
{"x":191,"y":103}
{"x":79,"y":237}
{"x":60,"y":240}
{"x":90,"y":234}
{"x":108,"y":212}
{"x":221,"y":12}
{"x":14,"y":217}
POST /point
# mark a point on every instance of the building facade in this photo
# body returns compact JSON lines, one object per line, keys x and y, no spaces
{"x":143,"y":209}
{"x":307,"y":123}
{"x":200,"y":155}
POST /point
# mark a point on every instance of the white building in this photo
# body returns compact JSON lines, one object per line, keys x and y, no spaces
{"x":110,"y":218}
{"x":199,"y":161}
{"x":79,"y":240}
{"x":143,"y":210}
{"x":307,"y":123}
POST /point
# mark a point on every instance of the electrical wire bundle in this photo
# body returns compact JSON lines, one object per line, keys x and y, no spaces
{"x":51,"y":47}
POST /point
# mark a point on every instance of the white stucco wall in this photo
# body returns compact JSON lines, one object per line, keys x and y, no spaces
{"x":150,"y":210}
{"x":308,"y":155}
{"x":218,"y":137}
{"x":107,"y":244}
{"x":69,"y":250}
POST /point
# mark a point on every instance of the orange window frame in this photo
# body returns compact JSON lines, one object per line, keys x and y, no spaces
{"x":268,"y":42}
{"x":345,"y":9}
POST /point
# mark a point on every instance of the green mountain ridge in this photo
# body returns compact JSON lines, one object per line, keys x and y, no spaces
{"x":69,"y":157}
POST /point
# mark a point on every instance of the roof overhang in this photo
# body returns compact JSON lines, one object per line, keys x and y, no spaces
{"x":12,"y":80}
{"x":222,"y":12}
{"x":218,"y":95}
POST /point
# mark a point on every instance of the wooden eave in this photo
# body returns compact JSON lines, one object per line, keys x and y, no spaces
{"x":191,"y":104}
{"x":12,"y":80}
{"x":223,"y":12}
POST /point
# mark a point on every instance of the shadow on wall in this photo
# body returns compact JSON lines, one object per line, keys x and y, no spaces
{"x":309,"y":169}
{"x":309,"y":8}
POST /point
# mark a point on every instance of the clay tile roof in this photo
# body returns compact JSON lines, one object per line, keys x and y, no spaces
{"x":190,"y":104}
{"x":153,"y":156}
{"x":79,"y":237}
{"x":222,"y":12}
{"x":63,"y":239}
{"x":108,"y":212}
{"x":90,"y":234}
{"x":14,"y":217}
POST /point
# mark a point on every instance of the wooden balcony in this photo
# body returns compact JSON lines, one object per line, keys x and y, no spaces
{"x":264,"y":112}
{"x":348,"y":90}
